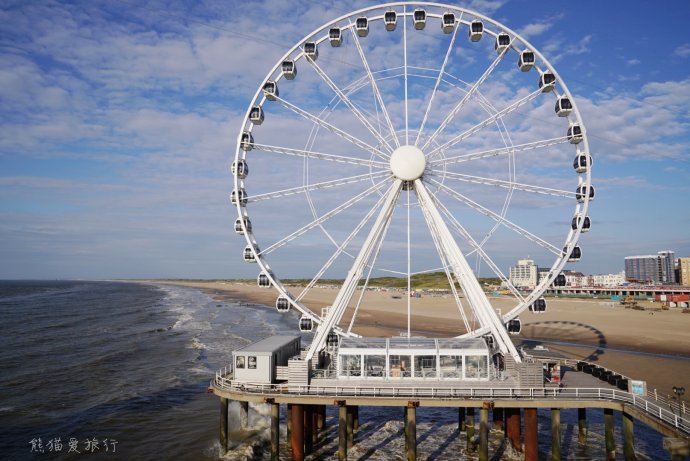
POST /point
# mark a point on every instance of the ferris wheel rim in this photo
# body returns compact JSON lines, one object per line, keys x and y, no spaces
{"x":259,"y":98}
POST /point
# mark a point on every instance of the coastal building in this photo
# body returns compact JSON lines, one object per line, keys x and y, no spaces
{"x":524,"y":274}
{"x":659,"y":268}
{"x":684,"y":271}
{"x":575,"y":279}
{"x":606,"y":280}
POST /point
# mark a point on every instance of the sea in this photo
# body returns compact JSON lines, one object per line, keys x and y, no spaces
{"x":120,"y":370}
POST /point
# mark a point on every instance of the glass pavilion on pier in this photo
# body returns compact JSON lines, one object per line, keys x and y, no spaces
{"x":401,"y":358}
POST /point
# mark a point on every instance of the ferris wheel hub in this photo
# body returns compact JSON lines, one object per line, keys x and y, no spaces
{"x":408,"y":163}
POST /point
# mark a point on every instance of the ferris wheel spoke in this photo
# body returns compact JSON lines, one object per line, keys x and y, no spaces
{"x":507,"y":184}
{"x":333,"y":129}
{"x":342,"y":299}
{"x":321,"y":219}
{"x":319,"y":155}
{"x":341,"y":248}
{"x":476,"y":297}
{"x":460,"y":229}
{"x":489,"y":120}
{"x":355,"y":111}
{"x":375,"y":87}
{"x":446,"y":268}
{"x":451,"y":115}
{"x":438,"y":81}
{"x":317,"y":186}
{"x":500,"y":151}
{"x":498,"y":218}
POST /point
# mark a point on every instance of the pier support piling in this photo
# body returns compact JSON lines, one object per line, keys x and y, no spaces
{"x":350,"y":426}
{"x":411,"y":430}
{"x":297,"y":432}
{"x":582,"y":426}
{"x":555,"y":434}
{"x":223,"y":424}
{"x":308,"y":429}
{"x":461,"y":419}
{"x":275,"y":431}
{"x":469,"y":425}
{"x":513,"y":427}
{"x":484,"y":433}
{"x":244,"y":415}
{"x":321,"y":418}
{"x":342,"y":430}
{"x":531,"y":435}
{"x":609,"y":425}
{"x":288,"y":418}
{"x":498,"y":416}
{"x":628,"y":438}
{"x":355,"y":418}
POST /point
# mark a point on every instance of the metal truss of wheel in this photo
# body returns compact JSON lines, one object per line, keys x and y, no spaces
{"x":405,"y":139}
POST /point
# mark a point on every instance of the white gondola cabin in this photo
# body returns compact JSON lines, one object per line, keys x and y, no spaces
{"x":538,"y":306}
{"x":306,"y":324}
{"x":575,"y":254}
{"x":390,"y":19}
{"x":419,"y":18}
{"x":263,"y":280}
{"x":559,"y":281}
{"x":526,"y":60}
{"x":574,"y":134}
{"x":256,"y":115}
{"x":246,"y":141}
{"x":547,"y":81}
{"x":238,"y":196}
{"x":586,"y":224}
{"x":289,"y":69}
{"x":332,"y":339}
{"x":448,"y":23}
{"x":335,"y":35}
{"x":581,"y":193}
{"x":362,"y":26}
{"x":271,"y":90}
{"x":514,"y":326}
{"x":250,"y":254}
{"x":238,"y":225}
{"x":563,"y":106}
{"x":502,"y":42}
{"x":476,"y":30}
{"x":582,"y":162}
{"x":240,"y":169}
{"x":282,"y":304}
{"x":311,"y":50}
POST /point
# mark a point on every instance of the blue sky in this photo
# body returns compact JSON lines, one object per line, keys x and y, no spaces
{"x":119,"y":124}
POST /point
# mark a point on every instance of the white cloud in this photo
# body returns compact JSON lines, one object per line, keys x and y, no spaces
{"x":683,"y":50}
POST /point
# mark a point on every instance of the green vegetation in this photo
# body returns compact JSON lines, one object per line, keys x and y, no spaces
{"x":431,"y":280}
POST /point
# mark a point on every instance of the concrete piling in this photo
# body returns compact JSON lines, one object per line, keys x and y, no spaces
{"x":609,"y":425}
{"x":308,"y":429}
{"x":275,"y":431}
{"x":350,"y":427}
{"x":223,"y":424}
{"x":628,"y":438}
{"x":244,"y":415}
{"x":469,"y":426}
{"x":555,"y":434}
{"x":513,"y":428}
{"x":531,"y":435}
{"x":484,"y":433}
{"x":461,"y":419}
{"x":582,"y":426}
{"x":342,"y":430}
{"x":411,"y":430}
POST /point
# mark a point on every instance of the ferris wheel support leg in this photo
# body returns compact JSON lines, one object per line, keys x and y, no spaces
{"x":342,"y":299}
{"x":463,"y":273}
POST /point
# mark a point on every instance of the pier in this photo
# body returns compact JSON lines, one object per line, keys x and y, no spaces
{"x":509,"y":406}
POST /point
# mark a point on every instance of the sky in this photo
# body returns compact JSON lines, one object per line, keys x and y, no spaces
{"x":120,"y":121}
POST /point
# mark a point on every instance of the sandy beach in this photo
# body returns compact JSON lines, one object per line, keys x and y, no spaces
{"x":651,"y":344}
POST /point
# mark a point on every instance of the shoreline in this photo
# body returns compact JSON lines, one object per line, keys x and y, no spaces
{"x":649,"y":345}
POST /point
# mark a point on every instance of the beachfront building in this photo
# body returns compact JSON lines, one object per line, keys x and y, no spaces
{"x":659,"y":268}
{"x":607,"y":280}
{"x":684,"y":271}
{"x":525,"y":274}
{"x":401,"y":358}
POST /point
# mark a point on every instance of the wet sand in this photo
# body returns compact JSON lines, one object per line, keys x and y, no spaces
{"x":651,"y":345}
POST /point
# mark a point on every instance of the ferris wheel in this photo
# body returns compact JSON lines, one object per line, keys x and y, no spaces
{"x":416,"y":138}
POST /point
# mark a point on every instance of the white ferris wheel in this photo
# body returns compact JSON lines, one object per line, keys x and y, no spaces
{"x":415,"y":138}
